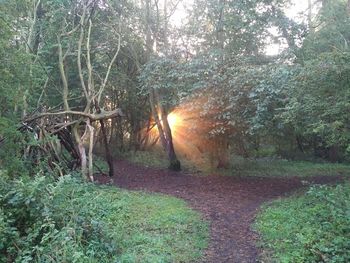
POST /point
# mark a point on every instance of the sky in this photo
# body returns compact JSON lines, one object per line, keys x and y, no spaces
{"x":296,"y":11}
{"x":297,"y":7}
{"x":293,"y":11}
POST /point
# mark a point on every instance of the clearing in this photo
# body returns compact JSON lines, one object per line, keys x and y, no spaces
{"x":229,"y":203}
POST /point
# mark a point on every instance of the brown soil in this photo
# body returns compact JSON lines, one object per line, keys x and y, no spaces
{"x":228,"y":203}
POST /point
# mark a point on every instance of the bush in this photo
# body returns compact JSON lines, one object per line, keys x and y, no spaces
{"x":11,"y":145}
{"x":70,"y":221}
{"x":310,"y":228}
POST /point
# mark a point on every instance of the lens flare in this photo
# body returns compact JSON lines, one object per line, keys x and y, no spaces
{"x":173,"y":120}
{"x":189,"y":133}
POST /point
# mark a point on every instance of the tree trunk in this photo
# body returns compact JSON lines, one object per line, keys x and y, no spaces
{"x":309,"y":17}
{"x":175,"y":164}
{"x":299,"y":143}
{"x":109,"y":156}
{"x":105,"y":141}
{"x":156,"y":106}
{"x":223,"y":154}
{"x":220,"y":27}
{"x":81,"y":149}
{"x":164,"y":131}
{"x":91,"y":147}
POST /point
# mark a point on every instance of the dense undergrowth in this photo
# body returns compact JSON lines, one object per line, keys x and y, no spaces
{"x":71,"y":221}
{"x":314,"y":227}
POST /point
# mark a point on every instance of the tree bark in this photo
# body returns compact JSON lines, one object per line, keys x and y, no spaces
{"x":91,"y":147}
{"x":220,"y":27}
{"x":157,"y":108}
{"x":109,"y":156}
{"x":175,"y":164}
{"x":81,"y":149}
{"x":309,"y":17}
{"x":223,"y":154}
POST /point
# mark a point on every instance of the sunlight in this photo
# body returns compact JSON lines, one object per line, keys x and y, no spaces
{"x":180,"y":15}
{"x":187,"y":129}
{"x":173,"y":120}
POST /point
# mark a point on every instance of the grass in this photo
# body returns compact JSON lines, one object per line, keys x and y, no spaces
{"x":100,"y":165}
{"x":284,"y":168}
{"x":157,"y":229}
{"x":239,"y":166}
{"x":311,"y":227}
{"x":72,"y":221}
{"x":154,"y":159}
{"x":157,"y":159}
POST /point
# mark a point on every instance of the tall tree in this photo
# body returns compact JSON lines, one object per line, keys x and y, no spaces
{"x":156,"y":98}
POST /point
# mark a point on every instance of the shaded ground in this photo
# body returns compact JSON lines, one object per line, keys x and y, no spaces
{"x":229,"y":203}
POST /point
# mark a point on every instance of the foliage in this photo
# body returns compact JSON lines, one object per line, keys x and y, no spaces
{"x":323,"y":110}
{"x":161,"y":74}
{"x":331,"y":30}
{"x":214,"y":66}
{"x":100,"y":165}
{"x":236,"y":28}
{"x":308,"y":228}
{"x":11,"y":146}
{"x":21,"y":78}
{"x":249,"y":102}
{"x":71,"y":221}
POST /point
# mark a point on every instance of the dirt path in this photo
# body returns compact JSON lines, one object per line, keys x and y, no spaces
{"x":229,"y":203}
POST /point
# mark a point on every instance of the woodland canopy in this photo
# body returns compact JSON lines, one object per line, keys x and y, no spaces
{"x":79,"y":77}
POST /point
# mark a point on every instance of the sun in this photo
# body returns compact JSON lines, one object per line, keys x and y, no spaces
{"x":173,"y":120}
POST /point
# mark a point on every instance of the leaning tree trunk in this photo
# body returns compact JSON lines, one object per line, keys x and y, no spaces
{"x":175,"y":164}
{"x":164,"y":130}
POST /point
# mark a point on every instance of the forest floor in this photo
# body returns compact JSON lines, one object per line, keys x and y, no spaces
{"x":229,"y":203}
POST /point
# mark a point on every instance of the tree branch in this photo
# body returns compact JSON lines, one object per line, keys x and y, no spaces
{"x":108,"y":71}
{"x":80,"y":42}
{"x":93,"y":117}
{"x":63,"y":74}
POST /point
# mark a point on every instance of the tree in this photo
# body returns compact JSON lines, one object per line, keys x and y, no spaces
{"x":156,"y":98}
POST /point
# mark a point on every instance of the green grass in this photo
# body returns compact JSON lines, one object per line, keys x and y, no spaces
{"x":158,"y":229}
{"x":157,"y":159}
{"x":311,"y":227}
{"x":100,"y":165}
{"x":239,"y":166}
{"x":284,"y":168}
{"x":71,"y":221}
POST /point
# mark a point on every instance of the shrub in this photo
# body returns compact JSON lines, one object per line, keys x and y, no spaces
{"x":314,"y":227}
{"x":42,"y":220}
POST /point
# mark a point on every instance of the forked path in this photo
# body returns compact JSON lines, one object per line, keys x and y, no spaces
{"x":229,"y":203}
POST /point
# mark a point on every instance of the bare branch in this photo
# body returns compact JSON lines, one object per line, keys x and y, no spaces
{"x":63,"y":74}
{"x":108,"y":71}
{"x":88,"y":63}
{"x":32,"y":27}
{"x":42,"y":92}
{"x":80,"y":42}
{"x":93,"y":117}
